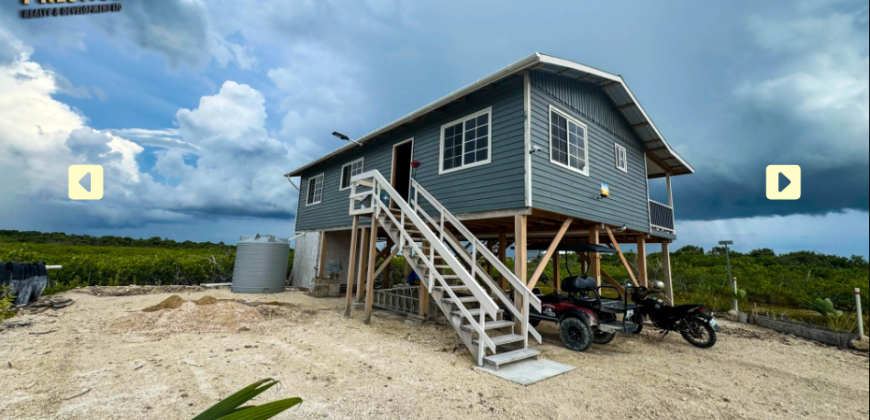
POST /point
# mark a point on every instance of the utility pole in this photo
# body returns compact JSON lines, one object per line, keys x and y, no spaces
{"x":728,"y":263}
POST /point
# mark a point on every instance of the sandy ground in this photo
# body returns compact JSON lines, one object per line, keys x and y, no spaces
{"x":144,"y":366}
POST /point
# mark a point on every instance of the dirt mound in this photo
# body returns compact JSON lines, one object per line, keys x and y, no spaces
{"x":172,"y":302}
{"x":208,"y":315}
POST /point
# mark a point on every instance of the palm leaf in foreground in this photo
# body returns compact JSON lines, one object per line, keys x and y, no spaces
{"x":231,"y":407}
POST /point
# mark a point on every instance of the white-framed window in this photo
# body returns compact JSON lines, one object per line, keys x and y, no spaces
{"x":466,"y":142}
{"x":621,"y":159}
{"x":569,"y":145}
{"x":315,"y":190}
{"x":349,"y":171}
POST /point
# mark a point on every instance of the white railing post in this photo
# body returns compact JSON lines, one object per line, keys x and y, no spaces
{"x":526,"y":318}
{"x":481,"y":349}
{"x":860,"y":313}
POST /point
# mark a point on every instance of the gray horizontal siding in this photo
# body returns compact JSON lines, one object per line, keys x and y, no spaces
{"x":499,"y":185}
{"x":557,"y":189}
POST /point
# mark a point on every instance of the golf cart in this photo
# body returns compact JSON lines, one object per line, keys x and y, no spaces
{"x":585,"y":316}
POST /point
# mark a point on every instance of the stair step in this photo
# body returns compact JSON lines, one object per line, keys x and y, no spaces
{"x":494,"y":325}
{"x":503,"y":339}
{"x":460,"y":288}
{"x":474,"y":312}
{"x":510,"y":357}
{"x":463,"y":299}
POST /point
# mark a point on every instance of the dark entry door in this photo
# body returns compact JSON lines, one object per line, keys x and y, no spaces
{"x":402,"y":157}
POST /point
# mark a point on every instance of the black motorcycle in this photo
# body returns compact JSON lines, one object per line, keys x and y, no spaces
{"x":692,"y":321}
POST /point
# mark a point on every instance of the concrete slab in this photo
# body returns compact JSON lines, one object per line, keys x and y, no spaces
{"x":529,"y":372}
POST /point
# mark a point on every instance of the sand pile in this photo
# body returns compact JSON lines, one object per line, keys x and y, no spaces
{"x":208,"y":315}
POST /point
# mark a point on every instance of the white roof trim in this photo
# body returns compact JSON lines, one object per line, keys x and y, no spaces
{"x":524,"y":64}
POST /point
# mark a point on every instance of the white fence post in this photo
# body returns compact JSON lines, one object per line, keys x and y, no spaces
{"x":860,"y":313}
{"x":736,"y":308}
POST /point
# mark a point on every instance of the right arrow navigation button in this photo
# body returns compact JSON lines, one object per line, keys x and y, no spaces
{"x":784,"y":182}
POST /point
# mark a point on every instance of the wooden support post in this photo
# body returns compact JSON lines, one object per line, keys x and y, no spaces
{"x":666,"y":269}
{"x":363,"y":263}
{"x":550,"y":250}
{"x":502,"y":256}
{"x":370,"y":281}
{"x":520,"y":263}
{"x":351,"y":265}
{"x":595,"y":270}
{"x":621,"y":255}
{"x":321,"y":264}
{"x":642,"y":272}
{"x":557,"y":271}
{"x":386,"y":264}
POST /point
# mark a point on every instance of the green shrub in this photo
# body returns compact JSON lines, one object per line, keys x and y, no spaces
{"x":5,"y":303}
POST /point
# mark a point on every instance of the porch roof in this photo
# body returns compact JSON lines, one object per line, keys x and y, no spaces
{"x":659,"y":151}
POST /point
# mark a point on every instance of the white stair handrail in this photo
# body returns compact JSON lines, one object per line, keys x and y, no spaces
{"x":380,"y":183}
{"x":529,"y":299}
{"x":514,"y":281}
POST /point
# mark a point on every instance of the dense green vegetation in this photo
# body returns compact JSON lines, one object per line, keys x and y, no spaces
{"x":58,"y":238}
{"x":145,"y":262}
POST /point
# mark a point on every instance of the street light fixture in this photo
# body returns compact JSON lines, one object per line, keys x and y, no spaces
{"x":345,"y":138}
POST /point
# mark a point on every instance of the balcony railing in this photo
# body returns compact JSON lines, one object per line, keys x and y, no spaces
{"x":661,"y":216}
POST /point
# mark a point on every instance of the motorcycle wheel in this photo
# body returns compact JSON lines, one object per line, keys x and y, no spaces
{"x":603,"y":338}
{"x":576,"y":334}
{"x":698,"y":333}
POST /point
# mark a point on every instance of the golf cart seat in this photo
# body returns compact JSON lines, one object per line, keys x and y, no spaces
{"x":582,"y":291}
{"x":579,"y":284}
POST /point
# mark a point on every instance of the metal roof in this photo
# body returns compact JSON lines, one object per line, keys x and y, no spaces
{"x":659,"y":151}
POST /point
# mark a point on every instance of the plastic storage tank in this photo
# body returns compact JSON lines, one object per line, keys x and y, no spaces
{"x":261,"y":264}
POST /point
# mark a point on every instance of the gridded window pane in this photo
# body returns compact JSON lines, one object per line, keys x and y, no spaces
{"x":621,"y":158}
{"x":476,"y":139}
{"x":345,"y":176}
{"x":312,"y":184}
{"x":349,"y":171}
{"x":466,"y":143}
{"x":315,"y":190}
{"x":559,"y":143}
{"x":453,"y":146}
{"x":567,"y":142}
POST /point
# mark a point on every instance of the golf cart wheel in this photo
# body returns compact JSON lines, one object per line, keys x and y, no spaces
{"x":637,"y":319}
{"x":535,"y":322}
{"x":576,"y":334}
{"x":699,"y":333}
{"x":603,"y":338}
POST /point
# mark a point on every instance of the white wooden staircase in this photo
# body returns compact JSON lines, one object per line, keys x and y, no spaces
{"x":451,"y":268}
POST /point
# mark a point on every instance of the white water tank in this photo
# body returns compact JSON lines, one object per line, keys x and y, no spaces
{"x":261,"y":264}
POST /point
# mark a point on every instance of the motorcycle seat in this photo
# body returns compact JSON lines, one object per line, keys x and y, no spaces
{"x":680,"y":310}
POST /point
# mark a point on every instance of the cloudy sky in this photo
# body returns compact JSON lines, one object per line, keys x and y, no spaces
{"x":195,"y":108}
